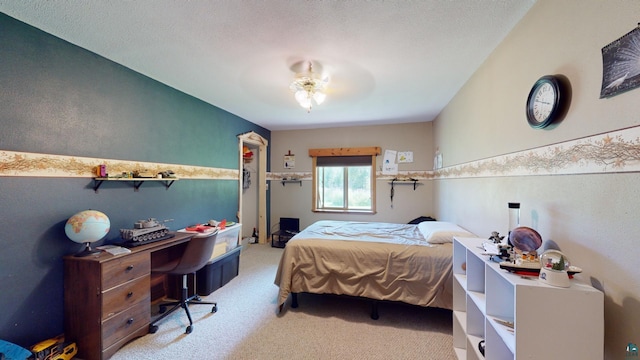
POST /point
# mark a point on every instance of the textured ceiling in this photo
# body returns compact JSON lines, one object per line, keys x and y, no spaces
{"x":389,"y":61}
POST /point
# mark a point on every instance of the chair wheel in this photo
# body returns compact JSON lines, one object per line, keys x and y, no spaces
{"x":189,"y":329}
{"x":214,"y":308}
{"x":162,"y":309}
{"x":153,"y":329}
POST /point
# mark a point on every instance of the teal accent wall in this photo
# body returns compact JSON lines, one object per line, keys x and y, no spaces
{"x":57,"y":98}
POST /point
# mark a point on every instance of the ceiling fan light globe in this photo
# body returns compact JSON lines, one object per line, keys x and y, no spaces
{"x":305,"y":103}
{"x":308,"y":88}
{"x":319,"y":97}
{"x":302,"y":96}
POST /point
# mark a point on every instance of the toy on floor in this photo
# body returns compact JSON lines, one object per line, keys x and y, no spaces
{"x":54,"y":349}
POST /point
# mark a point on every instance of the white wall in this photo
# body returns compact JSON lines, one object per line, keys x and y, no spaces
{"x":591,"y":217}
{"x":293,"y":200}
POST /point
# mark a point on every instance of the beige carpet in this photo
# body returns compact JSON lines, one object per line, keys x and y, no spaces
{"x":248,"y":326}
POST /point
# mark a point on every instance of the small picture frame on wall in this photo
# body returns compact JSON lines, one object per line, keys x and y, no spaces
{"x":621,"y":64}
{"x":289,"y":161}
{"x":405,"y":156}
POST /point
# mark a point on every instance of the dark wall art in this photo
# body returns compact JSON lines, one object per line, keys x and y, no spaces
{"x":621,"y":64}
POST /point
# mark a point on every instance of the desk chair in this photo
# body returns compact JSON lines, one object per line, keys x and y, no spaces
{"x":196,"y":255}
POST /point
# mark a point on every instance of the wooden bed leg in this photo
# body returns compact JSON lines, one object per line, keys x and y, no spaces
{"x":374,"y":310}
{"x":294,"y":300}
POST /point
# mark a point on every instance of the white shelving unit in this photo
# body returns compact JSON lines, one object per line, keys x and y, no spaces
{"x":548,"y":322}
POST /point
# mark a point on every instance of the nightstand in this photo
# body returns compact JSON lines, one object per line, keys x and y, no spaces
{"x":280,"y":238}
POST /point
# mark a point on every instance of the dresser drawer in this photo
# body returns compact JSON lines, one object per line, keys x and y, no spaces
{"x":125,"y":268}
{"x":125,"y":296}
{"x":125,"y":323}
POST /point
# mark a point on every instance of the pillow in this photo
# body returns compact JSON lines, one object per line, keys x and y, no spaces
{"x":440,"y":232}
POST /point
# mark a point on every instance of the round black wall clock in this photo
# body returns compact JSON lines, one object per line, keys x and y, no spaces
{"x":548,"y":101}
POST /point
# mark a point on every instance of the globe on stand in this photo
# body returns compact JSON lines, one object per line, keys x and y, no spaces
{"x":86,"y":227}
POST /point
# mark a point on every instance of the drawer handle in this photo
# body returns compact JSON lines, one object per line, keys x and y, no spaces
{"x":129,"y":294}
{"x":130,"y":321}
{"x":129,"y":268}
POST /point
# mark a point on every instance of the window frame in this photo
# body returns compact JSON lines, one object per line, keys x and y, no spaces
{"x":343,"y":152}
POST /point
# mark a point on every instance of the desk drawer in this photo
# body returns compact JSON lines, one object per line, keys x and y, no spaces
{"x":125,"y":268}
{"x":123,"y":324}
{"x":125,"y":296}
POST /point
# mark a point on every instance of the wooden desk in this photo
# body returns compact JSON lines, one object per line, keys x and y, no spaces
{"x":107,"y":298}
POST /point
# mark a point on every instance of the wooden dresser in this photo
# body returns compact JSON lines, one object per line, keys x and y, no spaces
{"x":107,"y":298}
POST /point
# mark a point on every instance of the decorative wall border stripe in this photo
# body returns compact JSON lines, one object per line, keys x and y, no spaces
{"x":13,"y":163}
{"x":277,"y":176}
{"x":613,"y":152}
{"x":306,"y":175}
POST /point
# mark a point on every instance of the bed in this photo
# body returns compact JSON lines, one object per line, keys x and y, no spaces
{"x":410,"y":263}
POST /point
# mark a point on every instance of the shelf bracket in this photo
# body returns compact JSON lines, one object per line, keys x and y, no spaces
{"x":137,"y":184}
{"x":96,"y":184}
{"x":168,"y":184}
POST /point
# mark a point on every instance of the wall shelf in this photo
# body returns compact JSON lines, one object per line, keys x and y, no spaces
{"x":291,"y":181}
{"x":413,"y":182}
{"x":137,"y":182}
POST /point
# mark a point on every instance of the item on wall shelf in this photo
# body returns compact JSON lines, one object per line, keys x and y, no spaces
{"x":168,"y":174}
{"x":86,"y":227}
{"x":620,"y":65}
{"x":143,"y":173}
{"x":548,"y":101}
{"x":101,"y":170}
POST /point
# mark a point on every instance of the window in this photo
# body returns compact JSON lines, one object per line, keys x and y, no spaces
{"x":344,"y":179}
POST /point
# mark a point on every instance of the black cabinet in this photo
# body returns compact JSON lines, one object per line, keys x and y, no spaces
{"x":218,"y":272}
{"x":279,"y":238}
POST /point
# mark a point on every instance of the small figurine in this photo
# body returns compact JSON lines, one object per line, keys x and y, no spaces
{"x":496,"y":238}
